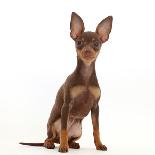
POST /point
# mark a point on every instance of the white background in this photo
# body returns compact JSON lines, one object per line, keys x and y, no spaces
{"x":37,"y":54}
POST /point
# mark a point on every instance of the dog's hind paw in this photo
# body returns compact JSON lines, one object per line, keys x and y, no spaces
{"x":49,"y":144}
{"x":74,"y":145}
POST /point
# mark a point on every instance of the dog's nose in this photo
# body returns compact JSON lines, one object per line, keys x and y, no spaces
{"x":88,"y":53}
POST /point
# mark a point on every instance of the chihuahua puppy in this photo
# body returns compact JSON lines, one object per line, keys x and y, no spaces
{"x":80,"y":93}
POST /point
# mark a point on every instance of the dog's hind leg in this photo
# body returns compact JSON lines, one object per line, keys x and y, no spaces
{"x":73,"y":144}
{"x":49,"y":142}
{"x":75,"y":132}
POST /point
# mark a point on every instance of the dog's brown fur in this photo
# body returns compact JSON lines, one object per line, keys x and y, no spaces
{"x":80,"y":93}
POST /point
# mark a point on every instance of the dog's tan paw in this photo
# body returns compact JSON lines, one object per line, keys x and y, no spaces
{"x":101,"y":147}
{"x":63,"y":148}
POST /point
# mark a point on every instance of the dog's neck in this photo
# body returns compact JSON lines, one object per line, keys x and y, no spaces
{"x":85,"y":71}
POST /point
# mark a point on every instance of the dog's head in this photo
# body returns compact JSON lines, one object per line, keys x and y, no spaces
{"x":88,"y":44}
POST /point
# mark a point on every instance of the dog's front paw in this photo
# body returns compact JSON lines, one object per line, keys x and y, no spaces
{"x":101,"y":147}
{"x":63,"y":148}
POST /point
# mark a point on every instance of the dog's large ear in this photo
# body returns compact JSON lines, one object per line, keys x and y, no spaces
{"x":76,"y":25}
{"x":104,"y":28}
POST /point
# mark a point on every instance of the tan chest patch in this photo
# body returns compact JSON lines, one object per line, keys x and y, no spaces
{"x":77,"y":90}
{"x":95,"y":91}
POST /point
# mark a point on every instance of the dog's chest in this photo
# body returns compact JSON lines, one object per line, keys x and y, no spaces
{"x":83,"y":99}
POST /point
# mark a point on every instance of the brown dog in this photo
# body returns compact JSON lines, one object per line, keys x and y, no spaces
{"x":80,"y":93}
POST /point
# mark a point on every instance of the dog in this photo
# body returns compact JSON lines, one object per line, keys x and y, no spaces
{"x":80,"y":93}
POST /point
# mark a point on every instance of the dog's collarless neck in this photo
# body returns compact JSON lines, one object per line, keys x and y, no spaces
{"x":85,"y":71}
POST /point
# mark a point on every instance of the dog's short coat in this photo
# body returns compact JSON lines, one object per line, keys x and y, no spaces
{"x":80,"y":93}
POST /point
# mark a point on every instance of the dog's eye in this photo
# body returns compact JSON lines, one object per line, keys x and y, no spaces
{"x":78,"y":42}
{"x":96,"y":44}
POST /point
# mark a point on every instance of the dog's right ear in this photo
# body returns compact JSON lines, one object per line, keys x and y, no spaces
{"x":104,"y":28}
{"x":76,"y":26}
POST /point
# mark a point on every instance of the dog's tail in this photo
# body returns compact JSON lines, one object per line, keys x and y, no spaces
{"x":32,"y":144}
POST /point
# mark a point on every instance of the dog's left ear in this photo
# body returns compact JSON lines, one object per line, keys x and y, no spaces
{"x":76,"y":26}
{"x":104,"y":28}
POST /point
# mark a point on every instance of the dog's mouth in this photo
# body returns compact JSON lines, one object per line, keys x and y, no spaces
{"x":88,"y":55}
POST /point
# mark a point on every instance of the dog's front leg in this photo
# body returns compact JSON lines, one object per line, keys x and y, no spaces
{"x":96,"y":133}
{"x":64,"y":135}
